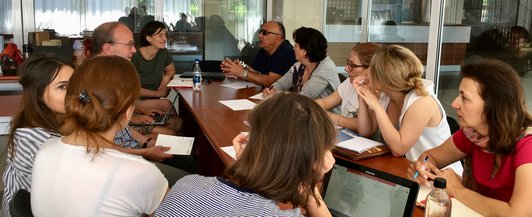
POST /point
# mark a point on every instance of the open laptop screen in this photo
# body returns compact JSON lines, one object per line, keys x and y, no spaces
{"x":355,"y":190}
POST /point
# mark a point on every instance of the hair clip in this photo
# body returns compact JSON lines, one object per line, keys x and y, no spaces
{"x":84,"y":97}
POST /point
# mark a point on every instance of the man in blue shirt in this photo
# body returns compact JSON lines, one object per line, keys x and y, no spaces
{"x":273,"y":60}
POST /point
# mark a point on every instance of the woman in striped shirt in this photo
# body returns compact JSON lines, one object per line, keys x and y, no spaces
{"x":277,"y":173}
{"x":44,"y":80}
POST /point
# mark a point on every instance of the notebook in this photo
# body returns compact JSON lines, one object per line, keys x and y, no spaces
{"x":159,"y":119}
{"x":354,"y":147}
{"x":355,"y":190}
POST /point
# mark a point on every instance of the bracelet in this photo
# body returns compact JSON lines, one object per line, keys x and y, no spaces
{"x":145,"y":144}
{"x":338,"y":121}
{"x":245,"y":74}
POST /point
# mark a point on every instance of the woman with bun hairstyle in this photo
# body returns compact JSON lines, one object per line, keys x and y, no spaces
{"x":84,"y":171}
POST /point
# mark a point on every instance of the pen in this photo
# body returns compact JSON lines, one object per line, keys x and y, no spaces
{"x":417,"y":173}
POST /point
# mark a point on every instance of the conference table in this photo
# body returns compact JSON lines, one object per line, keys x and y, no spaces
{"x":214,"y":126}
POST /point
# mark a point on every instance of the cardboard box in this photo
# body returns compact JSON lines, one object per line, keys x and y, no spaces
{"x":40,"y":37}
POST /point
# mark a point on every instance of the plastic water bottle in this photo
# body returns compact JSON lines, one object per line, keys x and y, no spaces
{"x":196,"y":80}
{"x":438,"y":202}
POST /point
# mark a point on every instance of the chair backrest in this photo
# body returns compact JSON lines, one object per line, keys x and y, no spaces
{"x":342,"y":77}
{"x":20,"y":205}
{"x":453,"y":125}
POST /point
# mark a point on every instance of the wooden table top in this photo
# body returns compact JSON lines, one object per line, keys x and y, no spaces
{"x":9,"y":104}
{"x":220,"y":124}
{"x":9,"y":78}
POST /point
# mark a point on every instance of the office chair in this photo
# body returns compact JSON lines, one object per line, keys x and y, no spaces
{"x":342,"y":77}
{"x":20,"y":206}
{"x":453,"y":125}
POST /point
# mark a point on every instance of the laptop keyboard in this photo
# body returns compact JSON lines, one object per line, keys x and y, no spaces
{"x":160,"y":118}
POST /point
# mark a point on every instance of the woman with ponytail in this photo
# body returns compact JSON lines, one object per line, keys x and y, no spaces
{"x":84,"y":171}
{"x":413,"y":119}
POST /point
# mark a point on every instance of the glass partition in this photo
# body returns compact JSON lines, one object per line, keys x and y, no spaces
{"x":5,"y":16}
{"x":494,"y":29}
{"x":402,"y":22}
{"x":343,"y":27}
{"x":231,"y":28}
{"x":6,"y":26}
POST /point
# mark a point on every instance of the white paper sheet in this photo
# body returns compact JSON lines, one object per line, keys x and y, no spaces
{"x":358,"y":144}
{"x":179,"y":145}
{"x":239,"y":85}
{"x":238,"y":104}
{"x":257,"y":96}
{"x":180,"y":83}
{"x":230,"y":150}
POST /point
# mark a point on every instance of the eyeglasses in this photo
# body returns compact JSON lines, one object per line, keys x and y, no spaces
{"x":352,"y":65}
{"x":266,"y":32}
{"x":129,"y":45}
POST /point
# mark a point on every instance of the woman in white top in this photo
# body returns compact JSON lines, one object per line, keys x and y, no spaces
{"x":413,"y":120}
{"x":82,"y":173}
{"x":345,"y":95}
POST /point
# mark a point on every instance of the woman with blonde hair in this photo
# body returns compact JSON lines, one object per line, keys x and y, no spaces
{"x":273,"y":175}
{"x":413,"y":119}
{"x":83,"y":171}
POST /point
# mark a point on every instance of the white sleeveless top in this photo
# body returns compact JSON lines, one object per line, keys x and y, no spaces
{"x":431,"y":136}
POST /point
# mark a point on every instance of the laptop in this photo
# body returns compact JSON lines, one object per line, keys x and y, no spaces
{"x":355,"y":190}
{"x":159,"y":119}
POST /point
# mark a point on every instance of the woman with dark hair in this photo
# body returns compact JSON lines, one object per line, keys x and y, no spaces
{"x":314,"y":75}
{"x":84,"y":171}
{"x":44,"y":79}
{"x":155,"y":67}
{"x":273,"y":175}
{"x":496,"y":139}
{"x":153,"y":61}
{"x":345,"y":96}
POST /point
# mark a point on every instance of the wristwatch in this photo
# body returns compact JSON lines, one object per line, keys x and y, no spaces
{"x":245,"y":74}
{"x":145,"y":144}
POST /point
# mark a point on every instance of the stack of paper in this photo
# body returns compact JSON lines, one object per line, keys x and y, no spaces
{"x":358,"y":144}
{"x":179,"y":145}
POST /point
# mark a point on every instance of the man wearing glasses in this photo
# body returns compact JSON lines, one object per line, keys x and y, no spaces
{"x":113,"y":38}
{"x":273,"y":60}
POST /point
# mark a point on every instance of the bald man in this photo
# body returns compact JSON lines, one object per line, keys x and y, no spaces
{"x":273,"y":60}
